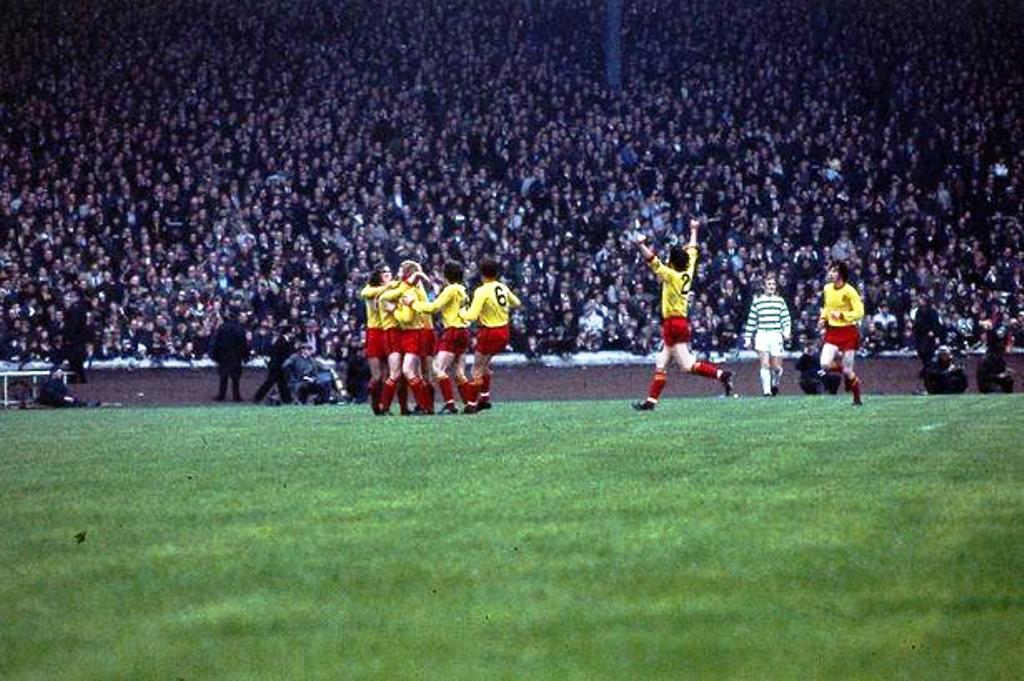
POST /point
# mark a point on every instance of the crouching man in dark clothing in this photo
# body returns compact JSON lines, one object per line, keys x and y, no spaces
{"x":813,"y":379}
{"x":304,"y":377}
{"x":54,"y":392}
{"x":993,"y":374}
{"x":943,"y":376}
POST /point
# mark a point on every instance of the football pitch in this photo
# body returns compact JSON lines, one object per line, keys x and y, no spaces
{"x":794,"y":538}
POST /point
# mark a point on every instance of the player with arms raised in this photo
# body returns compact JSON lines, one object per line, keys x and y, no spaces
{"x":409,"y":338}
{"x":842,"y":311}
{"x":455,"y":339}
{"x":676,"y":282}
{"x":492,"y":301}
{"x":768,"y":327}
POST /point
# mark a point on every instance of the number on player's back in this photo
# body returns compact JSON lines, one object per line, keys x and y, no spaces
{"x":499,"y":294}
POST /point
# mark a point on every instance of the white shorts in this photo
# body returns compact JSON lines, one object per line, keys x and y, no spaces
{"x":769,"y":341}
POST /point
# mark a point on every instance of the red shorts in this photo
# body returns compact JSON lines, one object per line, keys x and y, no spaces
{"x":455,"y":341}
{"x":675,"y":330}
{"x":376,"y":344}
{"x":409,"y":343}
{"x":846,"y":338}
{"x":491,"y":340}
{"x":393,"y":340}
{"x":428,"y":343}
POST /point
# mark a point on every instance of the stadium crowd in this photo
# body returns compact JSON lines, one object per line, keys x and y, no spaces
{"x":162,"y":161}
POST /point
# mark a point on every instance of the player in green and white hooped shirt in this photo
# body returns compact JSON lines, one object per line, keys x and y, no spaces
{"x":768,"y":327}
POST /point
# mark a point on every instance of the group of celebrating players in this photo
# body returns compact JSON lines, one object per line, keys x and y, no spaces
{"x":405,"y":354}
{"x":402,"y":347}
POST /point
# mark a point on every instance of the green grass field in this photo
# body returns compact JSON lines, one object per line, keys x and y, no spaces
{"x":791,"y":538}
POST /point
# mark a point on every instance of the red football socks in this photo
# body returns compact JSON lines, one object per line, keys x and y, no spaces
{"x":419,"y":391}
{"x":705,"y":369}
{"x":473,"y":390}
{"x":657,"y":385}
{"x":376,"y":387}
{"x":485,"y":388}
{"x":387,"y":394}
{"x":403,"y":395}
{"x":465,"y":392}
{"x":855,"y":387}
{"x":447,"y":390}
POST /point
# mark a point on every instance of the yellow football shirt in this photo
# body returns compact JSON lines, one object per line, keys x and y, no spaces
{"x":369,"y":295}
{"x":449,"y":302}
{"x":675,"y":286}
{"x":846,"y":302}
{"x":491,"y":302}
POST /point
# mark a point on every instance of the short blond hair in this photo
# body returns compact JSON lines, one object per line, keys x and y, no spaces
{"x":408,"y":267}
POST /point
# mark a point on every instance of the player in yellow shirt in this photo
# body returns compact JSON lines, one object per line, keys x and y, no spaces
{"x":410,"y":337}
{"x":386,"y":310}
{"x":375,"y":348}
{"x":676,"y":283}
{"x":840,"y":316}
{"x":428,"y":342}
{"x":455,"y":339}
{"x":492,"y":301}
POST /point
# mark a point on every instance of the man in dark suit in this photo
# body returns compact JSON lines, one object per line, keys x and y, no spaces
{"x":75,"y":335}
{"x":230,"y":350}
{"x":280,"y":351}
{"x":928,"y":333}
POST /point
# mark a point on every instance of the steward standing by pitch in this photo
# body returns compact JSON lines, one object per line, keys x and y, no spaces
{"x":230,"y":350}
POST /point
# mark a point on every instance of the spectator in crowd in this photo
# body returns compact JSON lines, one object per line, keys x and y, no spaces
{"x":944,"y":376}
{"x":885,"y":324}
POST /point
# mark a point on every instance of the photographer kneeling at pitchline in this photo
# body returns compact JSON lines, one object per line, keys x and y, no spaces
{"x":304,"y":376}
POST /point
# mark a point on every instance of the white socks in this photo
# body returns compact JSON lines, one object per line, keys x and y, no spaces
{"x":770,"y":378}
